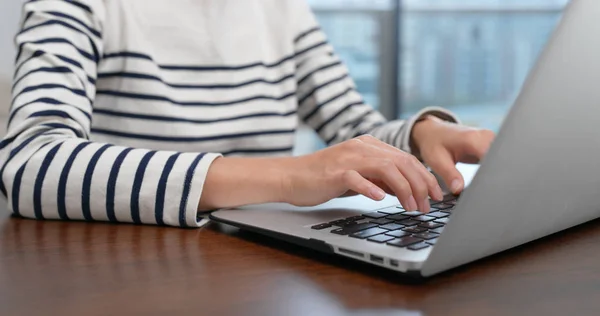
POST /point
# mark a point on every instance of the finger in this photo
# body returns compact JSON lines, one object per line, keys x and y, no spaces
{"x":410,"y":170}
{"x":434,"y":189}
{"x":386,"y":171}
{"x":432,"y":184}
{"x":412,"y":165}
{"x":475,"y":146}
{"x":349,"y":193}
{"x":422,"y":181}
{"x":483,"y":144}
{"x":443,"y":164}
{"x":382,"y":185}
{"x":357,"y":183}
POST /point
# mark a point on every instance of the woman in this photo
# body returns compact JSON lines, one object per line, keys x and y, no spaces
{"x":149,"y":111}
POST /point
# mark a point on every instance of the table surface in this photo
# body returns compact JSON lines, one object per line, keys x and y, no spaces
{"x":75,"y":268}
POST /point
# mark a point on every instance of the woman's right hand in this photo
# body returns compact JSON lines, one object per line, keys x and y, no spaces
{"x":363,"y":165}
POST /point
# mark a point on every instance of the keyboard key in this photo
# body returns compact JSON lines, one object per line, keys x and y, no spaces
{"x":409,"y":222}
{"x":431,"y":225}
{"x":443,"y":206}
{"x":431,"y":241}
{"x":382,"y":221}
{"x":412,"y":213}
{"x":448,"y":211}
{"x":358,"y":227}
{"x":391,"y":226}
{"x":404,"y":241}
{"x":398,"y":217}
{"x":344,"y":224}
{"x":437,"y":230}
{"x":397,"y":233}
{"x":355,"y":218}
{"x":419,"y":246}
{"x":368,"y":233}
{"x":423,"y":218}
{"x":426,"y":235}
{"x":438,"y":214}
{"x":451,"y":197}
{"x":339,"y":231}
{"x":442,"y":220}
{"x":321,"y":226}
{"x":414,"y":229}
{"x":375,"y":215}
{"x":380,"y":238}
{"x":337,"y":222}
{"x":391,"y":210}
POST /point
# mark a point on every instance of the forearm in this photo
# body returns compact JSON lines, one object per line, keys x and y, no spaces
{"x":232,"y":182}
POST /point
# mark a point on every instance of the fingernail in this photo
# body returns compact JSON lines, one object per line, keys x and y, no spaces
{"x":455,"y":186}
{"x":377,"y":194}
{"x":412,"y":204}
{"x":439,"y":195}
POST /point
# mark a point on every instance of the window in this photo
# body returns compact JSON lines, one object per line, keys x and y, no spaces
{"x":470,"y":56}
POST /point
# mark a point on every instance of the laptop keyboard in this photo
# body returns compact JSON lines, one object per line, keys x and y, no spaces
{"x":395,"y":226}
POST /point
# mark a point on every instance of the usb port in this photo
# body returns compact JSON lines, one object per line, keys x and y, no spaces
{"x":377,"y":259}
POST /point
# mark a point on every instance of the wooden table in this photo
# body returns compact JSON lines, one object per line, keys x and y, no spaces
{"x":70,"y":268}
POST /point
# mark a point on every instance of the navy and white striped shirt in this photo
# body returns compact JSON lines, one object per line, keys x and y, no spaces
{"x":119,"y":107}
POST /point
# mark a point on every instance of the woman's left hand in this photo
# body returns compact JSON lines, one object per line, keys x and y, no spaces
{"x":442,"y":144}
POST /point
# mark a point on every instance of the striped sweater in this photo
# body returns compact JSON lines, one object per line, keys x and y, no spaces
{"x":119,"y":107}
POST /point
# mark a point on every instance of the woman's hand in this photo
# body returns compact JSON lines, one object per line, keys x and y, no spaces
{"x":441,"y":145}
{"x":362,"y":165}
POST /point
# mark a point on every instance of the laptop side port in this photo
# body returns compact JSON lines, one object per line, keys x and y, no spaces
{"x":351,"y":252}
{"x":377,"y":259}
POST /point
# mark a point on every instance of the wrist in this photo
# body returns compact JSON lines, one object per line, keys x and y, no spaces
{"x":292,"y":177}
{"x":233,"y":182}
{"x":420,"y":131}
{"x":284,"y":176}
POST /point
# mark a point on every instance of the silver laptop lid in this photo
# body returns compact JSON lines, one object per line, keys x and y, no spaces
{"x":542,"y":174}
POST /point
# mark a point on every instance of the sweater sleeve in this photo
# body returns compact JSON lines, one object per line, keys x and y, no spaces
{"x":49,"y":168}
{"x":327,"y":96}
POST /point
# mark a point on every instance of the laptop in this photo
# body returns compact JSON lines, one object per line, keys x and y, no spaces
{"x":541,"y":176}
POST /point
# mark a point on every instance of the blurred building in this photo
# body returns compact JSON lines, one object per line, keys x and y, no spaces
{"x":471,"y":56}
